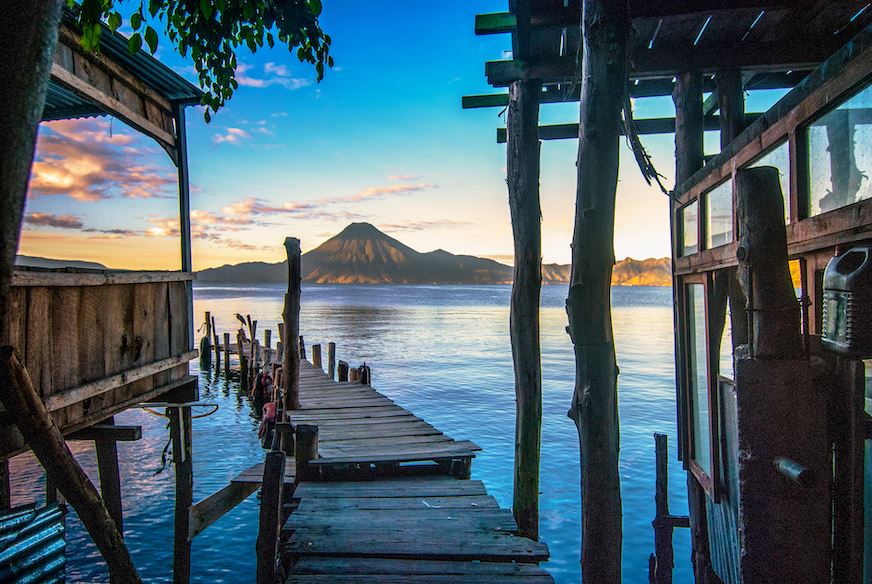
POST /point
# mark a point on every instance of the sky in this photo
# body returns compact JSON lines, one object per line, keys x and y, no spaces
{"x":381,"y":139}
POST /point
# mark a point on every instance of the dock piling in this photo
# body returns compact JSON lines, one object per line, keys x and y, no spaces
{"x":331,"y":360}
{"x":342,"y":371}
{"x":316,"y":356}
{"x":663,"y":528}
{"x":270,"y":516}
{"x":226,"y":354}
{"x":306,"y":450}
{"x":302,"y":348}
{"x":291,"y":361}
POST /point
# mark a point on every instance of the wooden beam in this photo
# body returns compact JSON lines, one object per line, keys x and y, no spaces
{"x":78,"y":394}
{"x":594,"y":408}
{"x":291,"y":364}
{"x":667,"y":62}
{"x":270,"y":523}
{"x":108,"y":432}
{"x":522,"y":163}
{"x":73,"y":277}
{"x":643,"y":128}
{"x":81,"y":87}
{"x":21,"y":399}
{"x":206,"y":512}
{"x":5,"y":486}
{"x":180,"y":433}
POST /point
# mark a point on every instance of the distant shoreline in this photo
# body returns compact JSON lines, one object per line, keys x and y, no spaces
{"x":368,"y":284}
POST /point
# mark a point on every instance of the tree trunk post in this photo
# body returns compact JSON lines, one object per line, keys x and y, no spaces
{"x":270,"y":516}
{"x":5,"y":486}
{"x":305,"y":451}
{"x":331,"y":360}
{"x":217,"y":345}
{"x":689,"y":157}
{"x":243,"y":360}
{"x":180,"y":432}
{"x":110,"y":477}
{"x":226,"y":354}
{"x":316,"y":356}
{"x":23,"y":404}
{"x":291,"y":365}
{"x":30,"y":34}
{"x":605,"y":31}
{"x":522,"y":158}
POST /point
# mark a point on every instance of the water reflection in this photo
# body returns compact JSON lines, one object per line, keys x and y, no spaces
{"x":443,"y":352}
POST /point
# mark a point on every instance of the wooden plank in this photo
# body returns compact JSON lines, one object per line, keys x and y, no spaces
{"x":206,"y":512}
{"x":542,"y":578}
{"x":108,"y":432}
{"x":82,"y":277}
{"x":403,"y":503}
{"x":143,"y":323}
{"x":377,"y":566}
{"x":89,"y":390}
{"x":417,"y":544}
{"x":255,"y":473}
{"x":38,"y":356}
{"x":443,"y":519}
{"x":443,"y":487}
{"x":411,"y":456}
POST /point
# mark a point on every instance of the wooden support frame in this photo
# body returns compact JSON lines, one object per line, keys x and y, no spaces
{"x":107,"y":431}
{"x":180,"y":434}
{"x":206,"y":512}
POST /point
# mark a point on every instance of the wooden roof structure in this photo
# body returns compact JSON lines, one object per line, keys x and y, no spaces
{"x":768,"y":40}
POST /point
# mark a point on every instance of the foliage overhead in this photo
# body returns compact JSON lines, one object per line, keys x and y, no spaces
{"x":211,"y":32}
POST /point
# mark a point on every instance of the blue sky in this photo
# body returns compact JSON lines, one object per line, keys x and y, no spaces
{"x":381,"y":139}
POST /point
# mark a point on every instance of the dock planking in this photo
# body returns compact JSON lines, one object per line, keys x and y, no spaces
{"x":407,"y":529}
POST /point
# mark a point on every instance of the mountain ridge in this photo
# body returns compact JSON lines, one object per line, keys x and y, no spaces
{"x":362,"y":254}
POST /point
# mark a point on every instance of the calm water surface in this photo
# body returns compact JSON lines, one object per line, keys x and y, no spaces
{"x":444,"y":353}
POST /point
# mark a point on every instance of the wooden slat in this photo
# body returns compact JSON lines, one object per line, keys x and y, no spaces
{"x":444,"y":487}
{"x":89,"y":390}
{"x":72,"y":277}
{"x":378,"y":566}
{"x":408,"y":503}
{"x":214,"y":507}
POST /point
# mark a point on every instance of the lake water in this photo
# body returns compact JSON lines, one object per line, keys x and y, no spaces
{"x":442,"y":352}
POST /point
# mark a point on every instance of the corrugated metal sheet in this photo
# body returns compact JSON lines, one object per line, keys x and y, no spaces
{"x":723,"y":517}
{"x":32,"y":545}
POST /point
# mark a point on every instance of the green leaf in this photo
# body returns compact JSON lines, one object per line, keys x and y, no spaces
{"x":153,"y":6}
{"x":134,"y":43}
{"x":314,"y":7}
{"x":114,"y":21}
{"x":151,"y":39}
{"x":206,"y":8}
{"x":135,"y":20}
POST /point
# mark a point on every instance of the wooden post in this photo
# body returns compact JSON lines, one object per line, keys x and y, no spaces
{"x":180,"y":433}
{"x":342,"y":371}
{"x":24,"y":405}
{"x":689,"y":156}
{"x":217,"y":345}
{"x":662,"y":525}
{"x":353,"y":375}
{"x":331,"y":360}
{"x":270,"y":516}
{"x":594,"y":409}
{"x":522,"y":153}
{"x":110,"y":478}
{"x":267,"y":338}
{"x":365,"y":375}
{"x":206,"y":344}
{"x":305,"y":451}
{"x":316,"y":356}
{"x":226,"y":353}
{"x":291,"y":364}
{"x":243,"y":360}
{"x":302,"y":348}
{"x":5,"y":486}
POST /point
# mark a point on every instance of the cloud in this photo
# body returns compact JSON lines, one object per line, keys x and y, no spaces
{"x":279,"y":115}
{"x":403,"y":177}
{"x":426,"y":225}
{"x":52,"y":220}
{"x":380,"y":192}
{"x":231,"y":136}
{"x":273,"y":74}
{"x":86,"y":161}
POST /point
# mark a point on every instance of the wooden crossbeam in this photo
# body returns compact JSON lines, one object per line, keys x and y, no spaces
{"x":667,"y":62}
{"x":643,"y":127}
{"x":215,"y":506}
{"x":108,"y":432}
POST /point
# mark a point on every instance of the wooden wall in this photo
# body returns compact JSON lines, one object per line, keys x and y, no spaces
{"x":96,"y":343}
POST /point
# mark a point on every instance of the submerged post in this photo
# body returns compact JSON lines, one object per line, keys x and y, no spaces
{"x":331,"y":360}
{"x":180,"y":432}
{"x":663,"y":527}
{"x":110,"y":478}
{"x":270,"y":516}
{"x":605,"y":32}
{"x":291,"y":364}
{"x":522,"y":156}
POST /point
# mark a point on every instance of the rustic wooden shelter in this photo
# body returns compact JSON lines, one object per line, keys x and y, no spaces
{"x":771,"y":423}
{"x":96,"y":342}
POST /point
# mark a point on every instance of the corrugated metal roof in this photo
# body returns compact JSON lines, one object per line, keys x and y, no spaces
{"x":62,"y":103}
{"x":32,"y":545}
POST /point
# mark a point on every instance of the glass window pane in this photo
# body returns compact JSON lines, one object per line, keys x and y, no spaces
{"x":779,"y":157}
{"x":840,"y":155}
{"x":690,"y":229}
{"x":698,"y":376}
{"x":719,"y":215}
{"x":725,"y":362}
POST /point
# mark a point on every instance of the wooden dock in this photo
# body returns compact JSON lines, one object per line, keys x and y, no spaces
{"x":393,"y":501}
